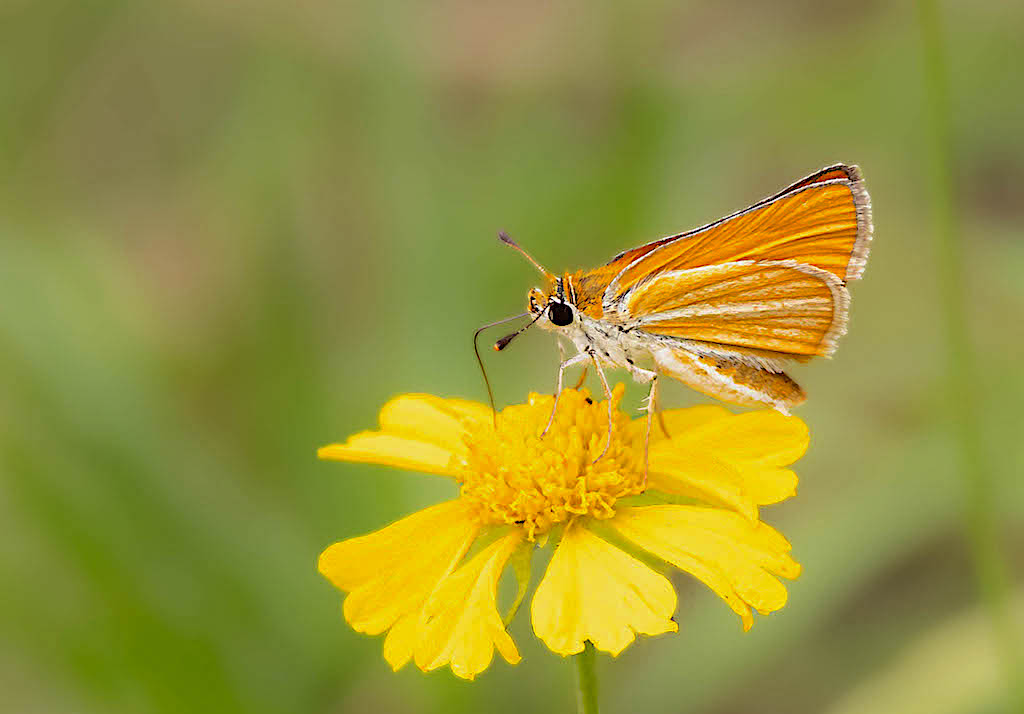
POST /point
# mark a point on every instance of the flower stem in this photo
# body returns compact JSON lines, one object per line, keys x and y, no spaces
{"x":991,"y":573}
{"x":586,"y":680}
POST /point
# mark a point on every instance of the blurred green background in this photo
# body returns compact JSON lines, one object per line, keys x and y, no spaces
{"x":230,"y":231}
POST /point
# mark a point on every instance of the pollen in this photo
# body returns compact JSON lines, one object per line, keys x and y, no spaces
{"x":514,"y":475}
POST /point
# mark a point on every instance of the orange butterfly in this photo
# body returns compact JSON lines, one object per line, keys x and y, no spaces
{"x":720,"y":308}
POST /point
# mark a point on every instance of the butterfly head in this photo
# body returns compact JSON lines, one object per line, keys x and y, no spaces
{"x":549,"y":306}
{"x":552,"y":308}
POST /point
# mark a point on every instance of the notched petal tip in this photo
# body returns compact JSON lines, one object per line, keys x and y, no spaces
{"x":740,"y":561}
{"x":594,"y":591}
{"x":460,"y":624}
{"x":401,"y":640}
{"x":389,"y":574}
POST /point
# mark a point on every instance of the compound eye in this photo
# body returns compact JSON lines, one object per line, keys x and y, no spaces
{"x":560,"y":314}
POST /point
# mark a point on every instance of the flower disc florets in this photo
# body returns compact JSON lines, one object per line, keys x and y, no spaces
{"x":514,"y":475}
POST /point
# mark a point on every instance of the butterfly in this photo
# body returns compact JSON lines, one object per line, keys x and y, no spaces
{"x":721,"y":308}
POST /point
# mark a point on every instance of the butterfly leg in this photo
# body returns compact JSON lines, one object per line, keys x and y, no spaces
{"x":644,"y":376}
{"x":566,"y":364}
{"x":583,"y":374}
{"x":655,"y":399}
{"x":608,"y":399}
{"x":661,"y":422}
{"x":582,"y":379}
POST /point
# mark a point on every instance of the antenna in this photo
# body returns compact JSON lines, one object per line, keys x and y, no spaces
{"x":479,"y":360}
{"x":507,"y":240}
{"x":503,"y":342}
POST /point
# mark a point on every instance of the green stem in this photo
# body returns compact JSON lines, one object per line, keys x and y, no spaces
{"x":586,"y":680}
{"x":991,"y":573}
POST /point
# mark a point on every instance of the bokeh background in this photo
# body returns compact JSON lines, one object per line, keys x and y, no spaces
{"x":230,"y":231}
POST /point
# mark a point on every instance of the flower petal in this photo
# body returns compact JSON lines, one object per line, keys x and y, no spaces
{"x":419,"y":432}
{"x":734,"y":557}
{"x":390,"y":573}
{"x":679,"y":421}
{"x":686,"y":471}
{"x":766,"y":486}
{"x":765,"y":438}
{"x":437,"y":421}
{"x":460,"y":624}
{"x":401,"y":640}
{"x":373,"y":447}
{"x":475,"y":412}
{"x":732,"y":461}
{"x":595,"y":591}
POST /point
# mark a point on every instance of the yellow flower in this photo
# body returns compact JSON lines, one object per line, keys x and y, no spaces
{"x":430,"y":580}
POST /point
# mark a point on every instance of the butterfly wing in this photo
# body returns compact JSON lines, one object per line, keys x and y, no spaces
{"x":728,"y":303}
{"x":729,"y":379}
{"x":823,"y":220}
{"x":840,"y":172}
{"x":726,"y":330}
{"x":772,"y":309}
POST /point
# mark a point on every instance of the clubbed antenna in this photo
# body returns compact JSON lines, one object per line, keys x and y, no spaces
{"x":507,"y":240}
{"x":503,"y":342}
{"x":479,"y":360}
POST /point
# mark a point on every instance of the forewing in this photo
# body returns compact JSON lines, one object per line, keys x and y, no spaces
{"x":764,"y":309}
{"x":823,"y":220}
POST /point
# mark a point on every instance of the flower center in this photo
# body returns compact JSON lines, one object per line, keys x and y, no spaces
{"x":516,"y":477}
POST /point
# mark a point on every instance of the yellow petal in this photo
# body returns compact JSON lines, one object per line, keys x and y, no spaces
{"x":686,"y":471}
{"x":433,"y":420}
{"x":594,"y":591}
{"x":679,"y":421}
{"x":764,"y":438}
{"x":728,"y":460}
{"x":419,"y":432}
{"x":391,"y":572}
{"x":759,"y":541}
{"x":401,"y":640}
{"x":461,"y":625}
{"x":765,"y":486}
{"x":478,"y":413}
{"x":375,"y":448}
{"x":733,"y":556}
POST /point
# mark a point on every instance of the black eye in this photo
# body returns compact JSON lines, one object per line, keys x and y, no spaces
{"x":560,"y":314}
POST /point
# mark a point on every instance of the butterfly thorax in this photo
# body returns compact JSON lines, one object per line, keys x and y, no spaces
{"x":572,"y":308}
{"x":584,"y":290}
